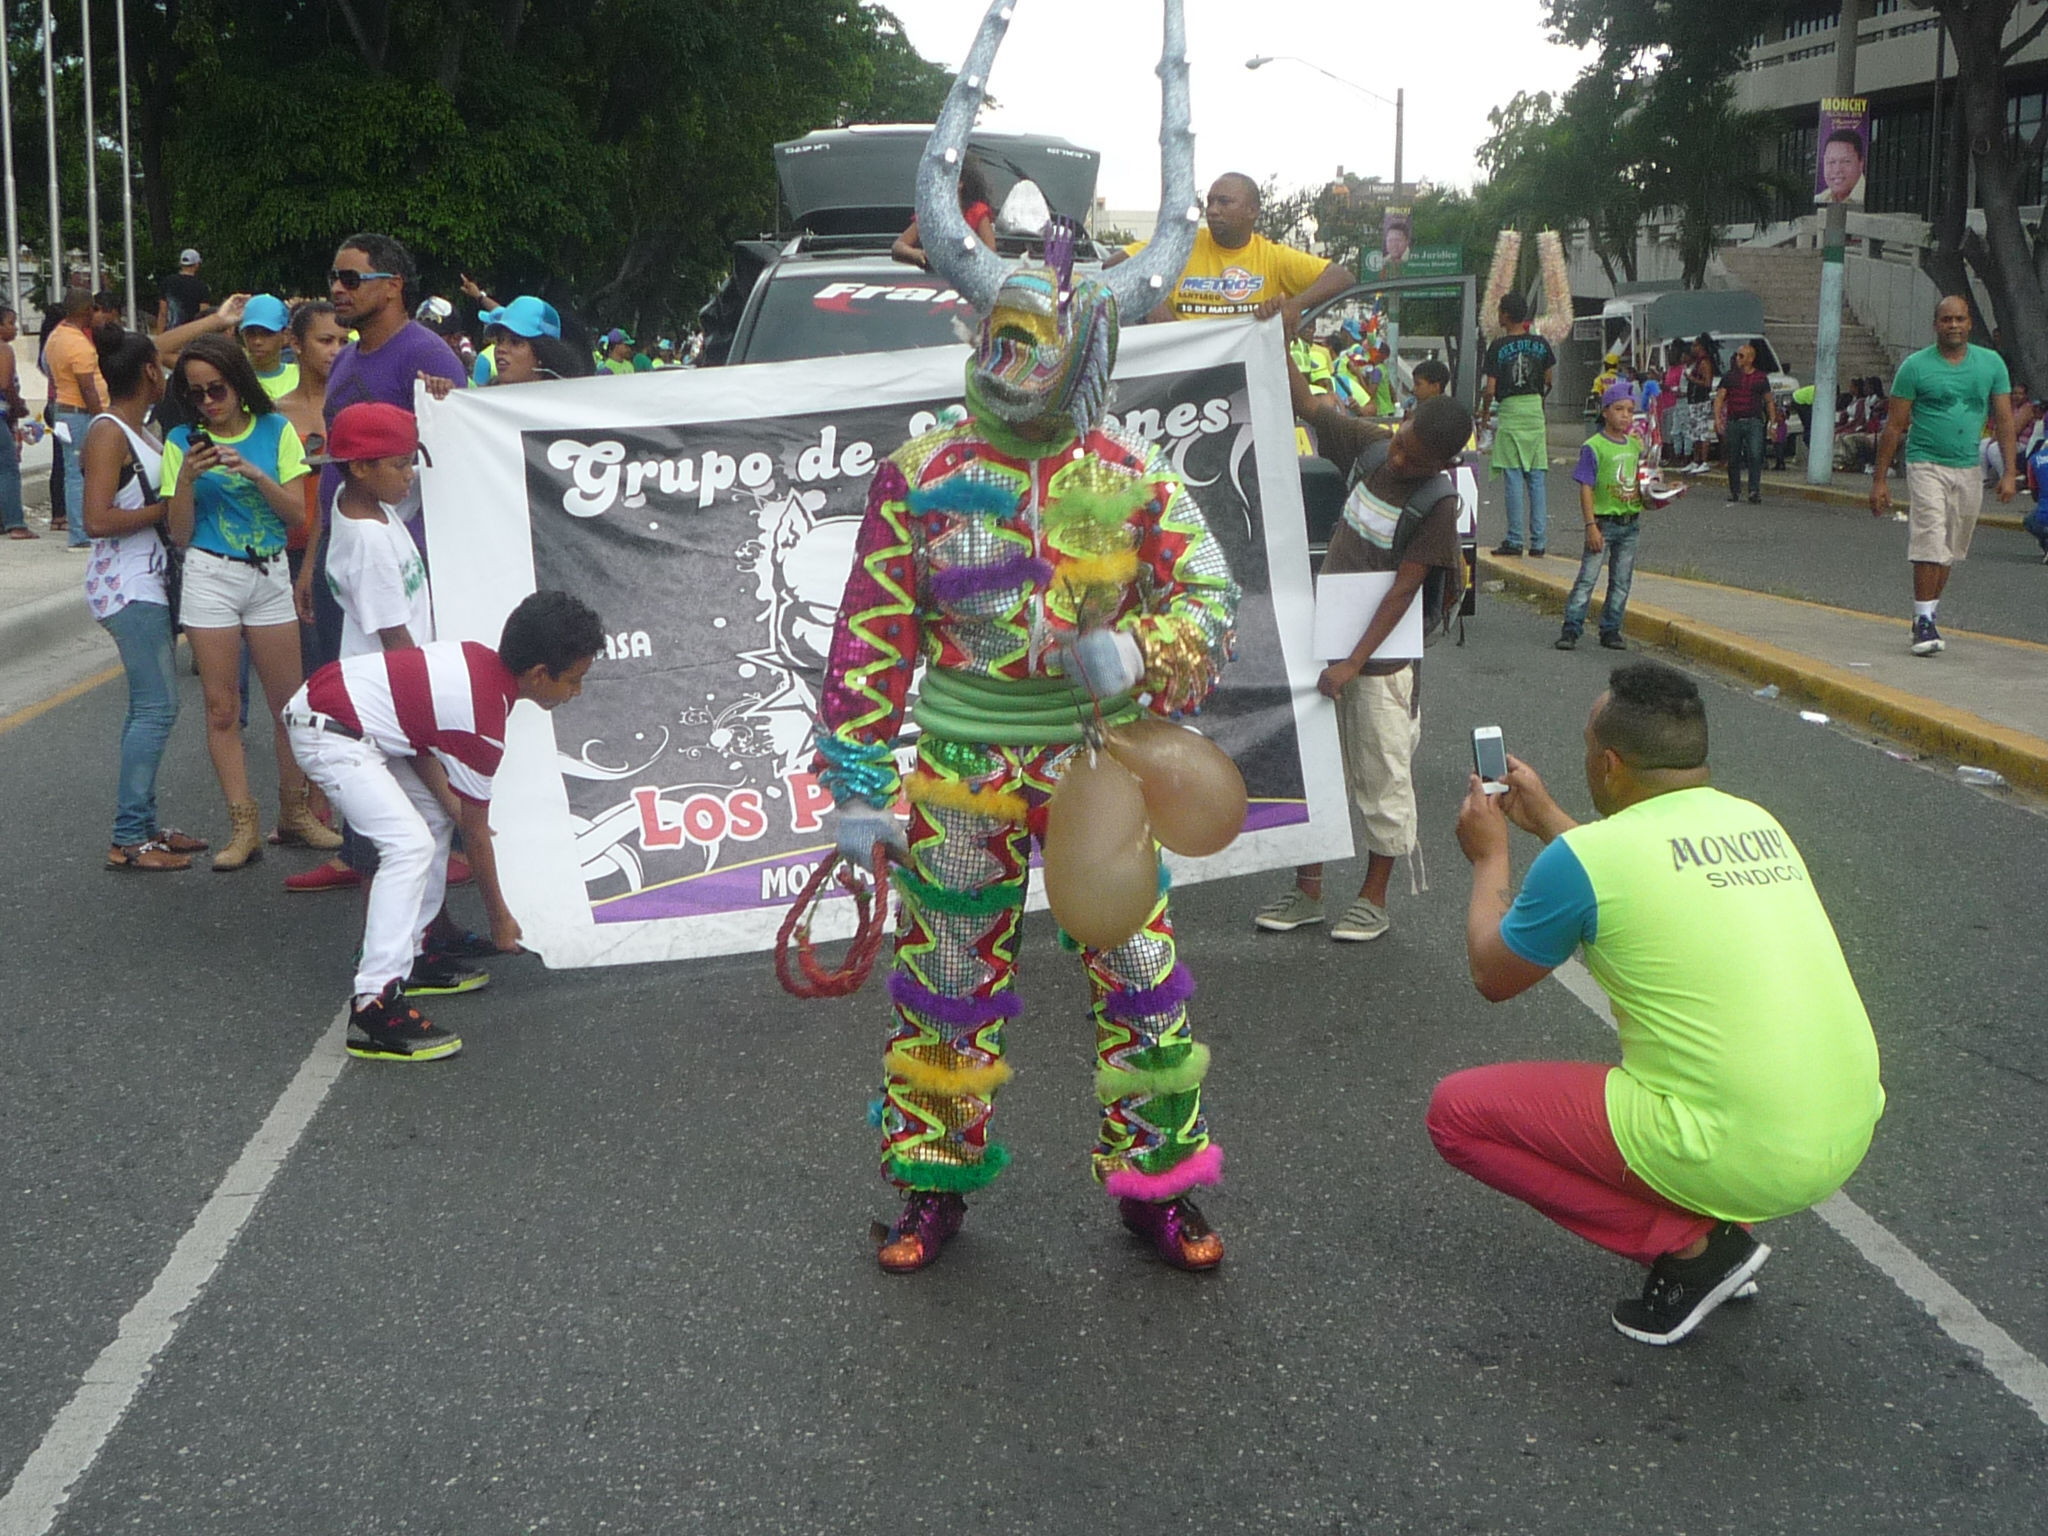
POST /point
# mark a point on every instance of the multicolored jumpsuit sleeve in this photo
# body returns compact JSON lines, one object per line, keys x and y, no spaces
{"x":977,"y":556}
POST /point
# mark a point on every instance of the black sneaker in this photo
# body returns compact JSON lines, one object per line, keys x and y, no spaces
{"x":452,"y":943}
{"x":1507,"y":549}
{"x":1610,"y":640}
{"x":438,"y":976}
{"x":1566,"y":642}
{"x":1540,"y":551}
{"x":1681,"y":1292}
{"x":390,"y":1029}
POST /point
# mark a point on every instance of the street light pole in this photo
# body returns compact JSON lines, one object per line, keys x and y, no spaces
{"x":1827,"y":341}
{"x":1399,"y":103}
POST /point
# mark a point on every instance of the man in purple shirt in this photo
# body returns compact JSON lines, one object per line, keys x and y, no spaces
{"x":391,"y":350}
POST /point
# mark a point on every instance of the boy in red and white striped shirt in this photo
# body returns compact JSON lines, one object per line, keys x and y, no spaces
{"x":356,"y":728}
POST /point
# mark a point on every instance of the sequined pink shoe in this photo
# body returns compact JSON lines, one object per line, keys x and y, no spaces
{"x":927,"y":1219}
{"x":1177,"y":1229}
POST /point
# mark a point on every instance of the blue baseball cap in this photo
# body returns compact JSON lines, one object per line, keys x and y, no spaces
{"x":526,"y":316}
{"x":265,"y":312}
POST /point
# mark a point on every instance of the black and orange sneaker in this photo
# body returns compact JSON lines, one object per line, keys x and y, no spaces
{"x":388,"y":1028}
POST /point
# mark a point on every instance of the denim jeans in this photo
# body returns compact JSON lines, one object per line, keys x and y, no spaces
{"x":143,"y":633}
{"x":74,"y":472}
{"x":1525,"y":490}
{"x":11,"y":514}
{"x":1618,"y":537}
{"x":1745,"y":443}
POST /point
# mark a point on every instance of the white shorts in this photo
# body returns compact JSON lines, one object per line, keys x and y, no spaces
{"x":1379,"y":735}
{"x":220,"y":593}
{"x":1945,"y":502}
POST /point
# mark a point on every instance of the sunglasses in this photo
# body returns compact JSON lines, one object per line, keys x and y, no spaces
{"x":206,"y":394}
{"x":352,"y":280}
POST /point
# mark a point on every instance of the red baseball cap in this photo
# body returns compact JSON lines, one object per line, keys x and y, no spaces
{"x":372,"y":430}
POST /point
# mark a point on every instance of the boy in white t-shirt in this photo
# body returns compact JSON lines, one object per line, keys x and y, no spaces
{"x":378,"y":578}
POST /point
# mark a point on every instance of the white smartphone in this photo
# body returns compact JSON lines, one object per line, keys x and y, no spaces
{"x":1490,"y":759}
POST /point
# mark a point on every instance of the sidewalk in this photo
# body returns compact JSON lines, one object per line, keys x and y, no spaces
{"x":1983,"y":702}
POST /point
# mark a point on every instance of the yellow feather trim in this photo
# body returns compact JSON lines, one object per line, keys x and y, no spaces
{"x":948,"y":1082}
{"x":1113,"y":570}
{"x":952,"y":795}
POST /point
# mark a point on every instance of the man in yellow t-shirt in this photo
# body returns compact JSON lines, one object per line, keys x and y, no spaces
{"x":1236,"y":271}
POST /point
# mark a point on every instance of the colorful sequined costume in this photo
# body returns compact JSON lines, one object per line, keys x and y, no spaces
{"x":979,"y":554}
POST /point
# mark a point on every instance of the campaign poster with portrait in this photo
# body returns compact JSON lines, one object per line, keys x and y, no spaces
{"x":710,"y":517}
{"x":1397,"y":237}
{"x":1843,"y":153}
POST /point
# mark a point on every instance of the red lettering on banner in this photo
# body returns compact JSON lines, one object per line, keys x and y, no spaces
{"x":654,"y":832}
{"x":704,"y":818}
{"x":745,"y":818}
{"x":808,"y":802}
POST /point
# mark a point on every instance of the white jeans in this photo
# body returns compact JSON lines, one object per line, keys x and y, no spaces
{"x":383,"y":799}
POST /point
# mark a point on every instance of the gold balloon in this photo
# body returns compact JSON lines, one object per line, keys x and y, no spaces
{"x":1194,"y":795}
{"x":1101,"y":865}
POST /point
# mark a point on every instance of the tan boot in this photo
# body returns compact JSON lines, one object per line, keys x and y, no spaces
{"x":296,"y":823}
{"x":244,"y":817}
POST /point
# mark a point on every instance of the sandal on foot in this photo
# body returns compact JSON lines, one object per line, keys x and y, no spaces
{"x":151,"y":856}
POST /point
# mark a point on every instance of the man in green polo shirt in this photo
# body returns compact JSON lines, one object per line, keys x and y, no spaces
{"x":1941,"y":398}
{"x":1748,"y":1084}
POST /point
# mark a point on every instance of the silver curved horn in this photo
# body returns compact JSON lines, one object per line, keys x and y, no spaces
{"x":1151,"y":276}
{"x":955,"y":251}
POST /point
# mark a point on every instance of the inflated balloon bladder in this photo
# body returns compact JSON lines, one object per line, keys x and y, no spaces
{"x":1101,"y":865}
{"x":1194,"y":795}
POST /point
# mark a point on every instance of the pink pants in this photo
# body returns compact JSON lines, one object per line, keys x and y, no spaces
{"x":1537,"y":1130}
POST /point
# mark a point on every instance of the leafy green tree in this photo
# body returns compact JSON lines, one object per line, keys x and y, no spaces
{"x":604,"y":152}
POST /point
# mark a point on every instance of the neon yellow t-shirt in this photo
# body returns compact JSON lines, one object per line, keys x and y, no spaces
{"x":1748,"y":1086}
{"x":281,"y":383}
{"x":1217,"y":284}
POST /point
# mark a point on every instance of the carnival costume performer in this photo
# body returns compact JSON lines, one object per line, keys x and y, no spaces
{"x":1047,"y":571}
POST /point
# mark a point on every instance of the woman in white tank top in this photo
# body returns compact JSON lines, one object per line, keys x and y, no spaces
{"x":125,"y":588}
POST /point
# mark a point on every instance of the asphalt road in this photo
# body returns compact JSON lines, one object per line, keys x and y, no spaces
{"x":1825,"y":554}
{"x":609,"y":1269}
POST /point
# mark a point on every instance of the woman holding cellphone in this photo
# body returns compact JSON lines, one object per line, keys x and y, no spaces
{"x":229,"y":478}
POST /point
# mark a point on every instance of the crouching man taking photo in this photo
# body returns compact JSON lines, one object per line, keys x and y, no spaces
{"x":1748,"y":1084}
{"x":406,"y":743}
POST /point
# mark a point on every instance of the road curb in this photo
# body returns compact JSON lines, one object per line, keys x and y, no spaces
{"x":45,"y":622}
{"x":1933,"y":728}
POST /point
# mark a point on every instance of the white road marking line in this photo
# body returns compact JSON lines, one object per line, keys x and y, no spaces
{"x":2018,"y":1371}
{"x":81,"y":1429}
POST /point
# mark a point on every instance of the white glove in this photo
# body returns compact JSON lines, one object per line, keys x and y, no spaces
{"x":1106,"y":662}
{"x":858,"y":825}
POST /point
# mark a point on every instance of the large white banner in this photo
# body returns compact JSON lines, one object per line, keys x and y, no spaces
{"x":709,"y":516}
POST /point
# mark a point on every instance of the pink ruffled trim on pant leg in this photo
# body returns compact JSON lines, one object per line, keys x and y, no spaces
{"x":1205,"y":1167}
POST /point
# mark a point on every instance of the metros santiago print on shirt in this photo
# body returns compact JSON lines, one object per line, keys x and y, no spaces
{"x":718,"y":552}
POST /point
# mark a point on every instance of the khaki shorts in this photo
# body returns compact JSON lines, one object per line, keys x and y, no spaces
{"x":229,"y":594}
{"x":1943,"y":512}
{"x":1379,"y":736}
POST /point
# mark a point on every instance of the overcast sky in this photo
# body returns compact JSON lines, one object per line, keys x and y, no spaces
{"x":1083,"y":69}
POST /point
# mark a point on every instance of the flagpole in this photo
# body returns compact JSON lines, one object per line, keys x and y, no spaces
{"x":7,"y":157}
{"x":127,"y":176}
{"x":56,"y":276}
{"x":92,"y":144}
